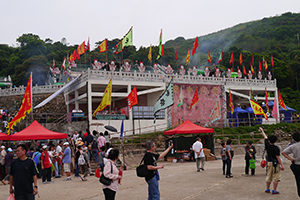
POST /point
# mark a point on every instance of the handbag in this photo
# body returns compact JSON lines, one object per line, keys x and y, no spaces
{"x":104,"y":180}
{"x":142,"y":170}
{"x":263,"y":163}
{"x":252,"y":163}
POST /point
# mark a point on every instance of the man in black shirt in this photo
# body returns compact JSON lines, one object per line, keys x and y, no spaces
{"x":150,"y":159}
{"x":23,"y":173}
{"x":273,"y":161}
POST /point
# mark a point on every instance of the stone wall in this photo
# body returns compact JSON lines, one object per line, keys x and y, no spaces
{"x":13,"y":103}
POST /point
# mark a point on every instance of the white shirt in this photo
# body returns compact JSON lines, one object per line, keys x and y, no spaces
{"x":197,"y":146}
{"x":58,"y":150}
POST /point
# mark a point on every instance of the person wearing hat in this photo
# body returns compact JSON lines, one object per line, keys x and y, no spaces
{"x":9,"y":157}
{"x":66,"y":160}
{"x":46,"y":165}
{"x":2,"y":163}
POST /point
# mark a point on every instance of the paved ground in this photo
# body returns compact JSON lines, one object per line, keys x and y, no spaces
{"x":179,"y":181}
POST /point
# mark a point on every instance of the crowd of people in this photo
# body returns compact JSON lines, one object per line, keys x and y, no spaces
{"x":76,"y":153}
{"x":52,"y":158}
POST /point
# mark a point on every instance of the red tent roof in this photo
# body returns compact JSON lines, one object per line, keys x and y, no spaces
{"x":3,"y":136}
{"x":36,"y":131}
{"x":188,"y":127}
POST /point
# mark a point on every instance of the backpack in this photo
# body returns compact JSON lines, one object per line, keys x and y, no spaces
{"x":81,"y":160}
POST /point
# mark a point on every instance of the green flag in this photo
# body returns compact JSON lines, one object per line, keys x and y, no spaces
{"x":165,"y":100}
{"x":118,"y":48}
{"x":161,"y":46}
{"x":127,"y":40}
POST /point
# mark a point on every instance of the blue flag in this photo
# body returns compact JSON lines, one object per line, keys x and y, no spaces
{"x":122,"y":128}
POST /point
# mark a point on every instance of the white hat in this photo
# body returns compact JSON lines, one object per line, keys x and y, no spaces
{"x":84,"y":148}
{"x":66,"y":143}
{"x":45,"y":147}
{"x":2,"y":147}
{"x":9,"y":150}
{"x":79,"y":139}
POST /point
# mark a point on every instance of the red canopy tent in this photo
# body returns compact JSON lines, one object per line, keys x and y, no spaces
{"x":3,"y":136}
{"x":188,"y":127}
{"x":36,"y":131}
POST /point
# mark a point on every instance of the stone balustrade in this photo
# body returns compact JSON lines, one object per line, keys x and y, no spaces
{"x":145,"y":77}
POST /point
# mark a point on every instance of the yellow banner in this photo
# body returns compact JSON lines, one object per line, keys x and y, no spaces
{"x":103,"y":46}
{"x":106,"y":100}
{"x":81,"y":48}
{"x":257,"y":109}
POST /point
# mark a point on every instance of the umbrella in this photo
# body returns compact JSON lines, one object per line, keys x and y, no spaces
{"x":111,"y":128}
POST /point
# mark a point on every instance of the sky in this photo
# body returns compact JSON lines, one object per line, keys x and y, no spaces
{"x":98,"y":19}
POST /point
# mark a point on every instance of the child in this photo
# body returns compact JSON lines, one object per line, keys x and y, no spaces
{"x":273,"y":160}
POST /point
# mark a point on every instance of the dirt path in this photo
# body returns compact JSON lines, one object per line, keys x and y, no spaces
{"x":179,"y":181}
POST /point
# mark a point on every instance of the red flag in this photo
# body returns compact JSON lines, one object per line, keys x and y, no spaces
{"x":264,"y":62}
{"x":272,"y":62}
{"x":231,"y":59}
{"x":25,"y":108}
{"x":76,"y":55}
{"x":195,"y":98}
{"x":230,"y":102}
{"x":176,"y":54}
{"x":244,"y":70}
{"x":260,"y":66}
{"x":195,"y":46}
{"x":267,"y":102}
{"x":162,"y":50}
{"x":209,"y":58}
{"x":53,"y":66}
{"x":221,"y":57}
{"x":280,"y":101}
{"x":252,"y":59}
{"x":132,"y":98}
{"x":241,"y":58}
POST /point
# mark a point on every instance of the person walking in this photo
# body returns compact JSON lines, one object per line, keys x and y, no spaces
{"x":150,"y":160}
{"x":46,"y":165}
{"x":107,"y":141}
{"x":9,"y":157}
{"x":2,"y":162}
{"x":273,"y":160}
{"x":295,"y":166}
{"x":111,"y":171}
{"x":250,"y":152}
{"x":84,"y":164}
{"x":101,"y":141}
{"x":66,"y":160}
{"x":22,"y":175}
{"x":199,"y":154}
{"x":229,"y":157}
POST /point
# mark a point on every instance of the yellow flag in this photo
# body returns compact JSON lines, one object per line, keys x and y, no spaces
{"x":257,"y":109}
{"x":150,"y":53}
{"x":103,"y":46}
{"x":81,"y":48}
{"x":187,"y":60}
{"x":106,"y":100}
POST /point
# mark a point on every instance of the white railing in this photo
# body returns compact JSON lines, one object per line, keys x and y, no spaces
{"x":35,"y":90}
{"x":145,"y":77}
